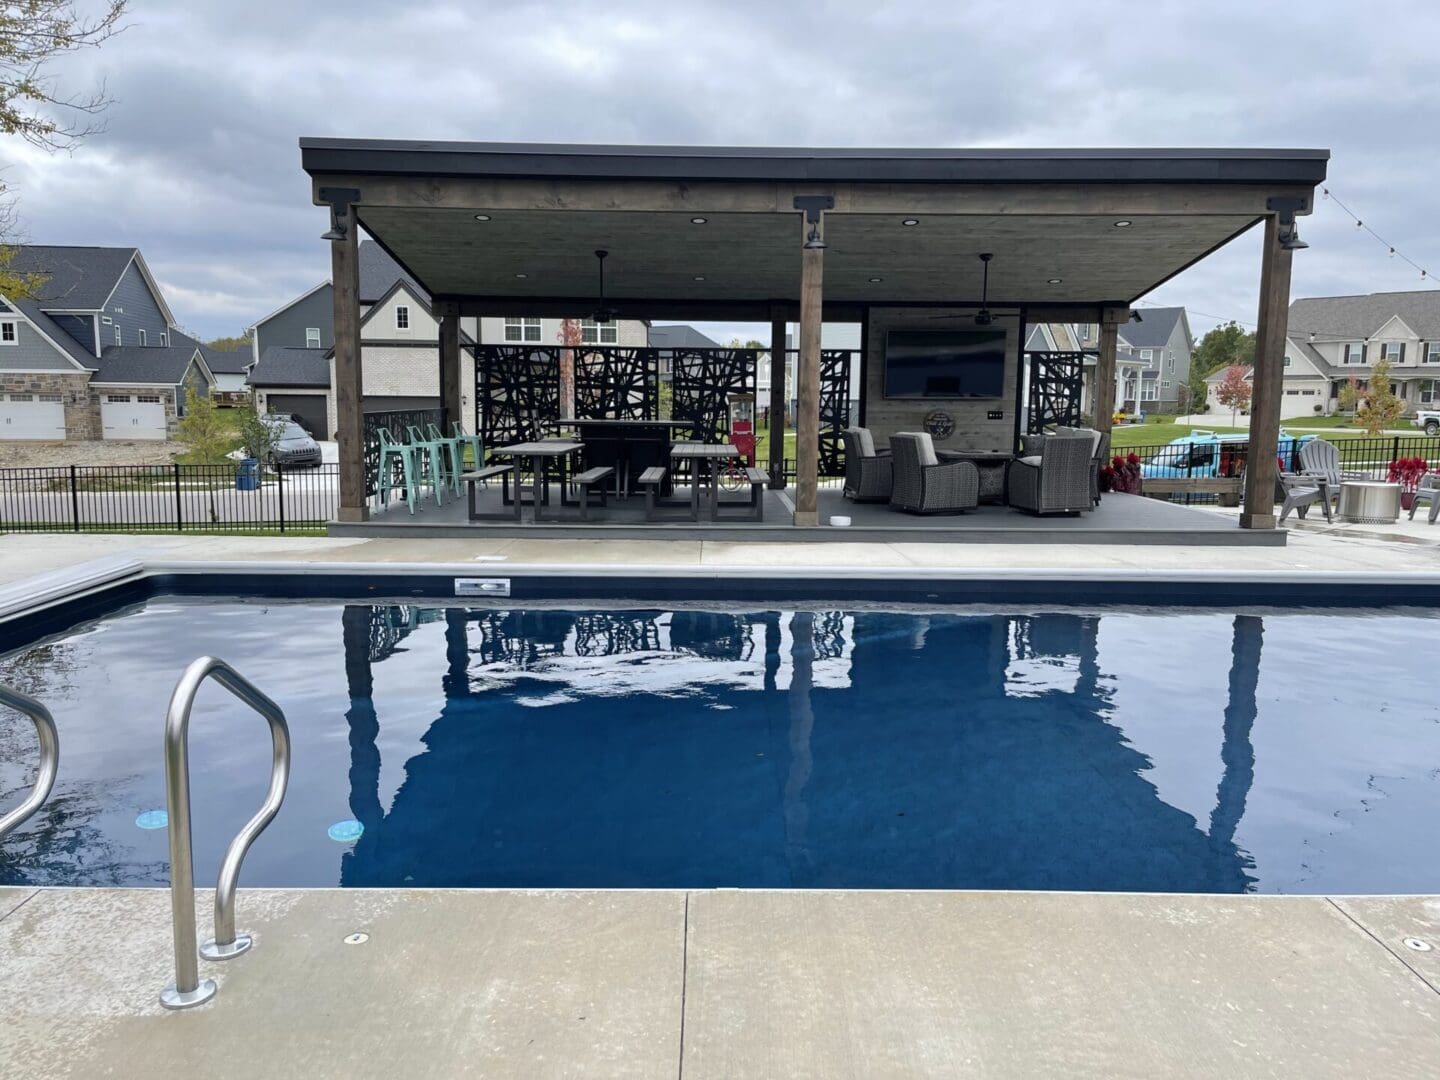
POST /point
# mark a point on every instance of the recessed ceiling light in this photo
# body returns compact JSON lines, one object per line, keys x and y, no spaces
{"x":698,"y":277}
{"x":522,"y":275}
{"x":1123,"y":223}
{"x":876,"y":280}
{"x":911,"y":221}
{"x":482,"y":217}
{"x":698,"y":220}
{"x":1055,"y":280}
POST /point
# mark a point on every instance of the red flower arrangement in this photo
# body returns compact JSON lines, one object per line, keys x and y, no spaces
{"x":1406,"y":472}
{"x":1122,"y":475}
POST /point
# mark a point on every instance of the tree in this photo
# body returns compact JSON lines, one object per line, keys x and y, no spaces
{"x":230,"y":344}
{"x":1382,"y":407}
{"x":257,"y":438}
{"x":572,"y":335}
{"x":33,"y":34}
{"x":1183,"y":394}
{"x":209,"y":438}
{"x":1234,"y":390}
{"x":1348,"y":398}
{"x":1220,"y":347}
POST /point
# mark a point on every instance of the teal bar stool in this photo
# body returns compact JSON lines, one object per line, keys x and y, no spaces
{"x":428,"y":453}
{"x":394,"y":453}
{"x":472,"y":441}
{"x":453,"y":452}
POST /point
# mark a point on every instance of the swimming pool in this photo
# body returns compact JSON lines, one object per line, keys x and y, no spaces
{"x":434,"y":745}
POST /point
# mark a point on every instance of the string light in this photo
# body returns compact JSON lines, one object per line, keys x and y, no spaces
{"x":1393,"y":251}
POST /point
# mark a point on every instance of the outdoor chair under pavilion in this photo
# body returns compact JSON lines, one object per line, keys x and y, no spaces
{"x":869,"y":473}
{"x":1302,"y":492}
{"x":1321,"y":460}
{"x":1032,"y":445}
{"x":1428,"y":491}
{"x":1058,"y":480}
{"x":924,"y":484}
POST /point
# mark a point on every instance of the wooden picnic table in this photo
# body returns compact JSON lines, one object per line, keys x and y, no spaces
{"x":703,"y":457}
{"x":541,"y":453}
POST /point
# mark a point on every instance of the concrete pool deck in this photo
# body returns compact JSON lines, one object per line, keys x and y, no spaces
{"x":728,"y":984}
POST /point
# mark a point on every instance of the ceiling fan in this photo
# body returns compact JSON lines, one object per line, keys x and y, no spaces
{"x":983,"y":317}
{"x":603,"y":313}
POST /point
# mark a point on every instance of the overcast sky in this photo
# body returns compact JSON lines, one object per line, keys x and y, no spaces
{"x":199,"y":166}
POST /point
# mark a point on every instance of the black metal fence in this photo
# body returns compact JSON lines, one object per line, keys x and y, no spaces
{"x":167,"y":498}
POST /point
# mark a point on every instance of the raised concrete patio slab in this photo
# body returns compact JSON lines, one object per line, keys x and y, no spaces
{"x":756,"y":983}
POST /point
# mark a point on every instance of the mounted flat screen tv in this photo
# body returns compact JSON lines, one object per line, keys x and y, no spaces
{"x":945,"y":364}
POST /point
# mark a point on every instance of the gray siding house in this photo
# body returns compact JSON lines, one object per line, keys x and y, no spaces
{"x":95,"y":353}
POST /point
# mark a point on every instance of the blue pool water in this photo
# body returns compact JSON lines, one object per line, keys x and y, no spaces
{"x":1120,"y":750}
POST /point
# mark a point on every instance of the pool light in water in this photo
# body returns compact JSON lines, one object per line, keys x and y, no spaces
{"x":152,"y":819}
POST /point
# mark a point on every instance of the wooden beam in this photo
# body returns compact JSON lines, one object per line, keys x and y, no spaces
{"x":450,"y":396}
{"x":1261,"y":470}
{"x":349,"y":381}
{"x":778,"y":400}
{"x":807,"y":386}
{"x":1104,"y":391}
{"x":757,"y":196}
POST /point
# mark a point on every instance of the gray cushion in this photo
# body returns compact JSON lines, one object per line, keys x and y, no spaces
{"x":867,"y":442}
{"x":927,"y":450}
{"x":1033,"y":459}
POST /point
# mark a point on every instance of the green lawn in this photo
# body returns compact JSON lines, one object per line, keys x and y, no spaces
{"x":1128,"y":435}
{"x":1344,"y":423}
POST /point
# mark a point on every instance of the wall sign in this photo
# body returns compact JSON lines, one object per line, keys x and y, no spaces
{"x":940,"y":424}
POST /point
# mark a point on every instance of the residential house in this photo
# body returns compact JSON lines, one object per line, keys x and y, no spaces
{"x":293,"y":348}
{"x":1152,"y":358}
{"x":95,"y":352}
{"x":1330,"y":340}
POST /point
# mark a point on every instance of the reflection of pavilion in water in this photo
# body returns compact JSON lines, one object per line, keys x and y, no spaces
{"x":871,"y":749}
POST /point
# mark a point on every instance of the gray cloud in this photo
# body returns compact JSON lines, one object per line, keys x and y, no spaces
{"x":199,"y":165}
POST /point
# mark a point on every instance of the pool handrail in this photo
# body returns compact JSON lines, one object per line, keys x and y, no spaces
{"x":189,"y":989}
{"x":49,"y":740}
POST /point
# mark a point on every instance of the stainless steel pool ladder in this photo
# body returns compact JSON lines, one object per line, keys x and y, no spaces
{"x":189,"y":989}
{"x":49,"y":756}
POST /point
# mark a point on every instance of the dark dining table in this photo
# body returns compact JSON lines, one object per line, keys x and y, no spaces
{"x":628,"y":446}
{"x":541,"y":454}
{"x":702,"y":457}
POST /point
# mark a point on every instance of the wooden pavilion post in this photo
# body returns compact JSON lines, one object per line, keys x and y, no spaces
{"x":807,"y":376}
{"x":1261,"y":470}
{"x":450,"y":370}
{"x":778,"y":399}
{"x":349,"y":379}
{"x":1104,"y":396}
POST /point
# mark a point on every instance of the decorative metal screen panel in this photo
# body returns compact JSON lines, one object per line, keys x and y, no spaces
{"x":702,"y":381}
{"x":517,"y":388}
{"x":1056,"y":380}
{"x":834,"y":409}
{"x":617,"y":384}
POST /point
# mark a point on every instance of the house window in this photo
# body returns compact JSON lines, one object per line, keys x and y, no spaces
{"x":522,"y":329}
{"x":152,"y":399}
{"x":593,"y":333}
{"x":1390,"y":351}
{"x":1354,"y":353}
{"x":117,"y":399}
{"x":402,"y":317}
{"x":312,"y":337}
{"x":1432,"y":352}
{"x":1170,"y":362}
{"x":1164,"y":384}
{"x":1292,"y":393}
{"x":1428,"y":392}
{"x":117,"y":336}
{"x":1147,"y":392}
{"x":165,"y":340}
{"x":141,"y":335}
{"x":9,"y":334}
{"x":1287,"y":361}
{"x":51,"y":399}
{"x":1146,"y":354}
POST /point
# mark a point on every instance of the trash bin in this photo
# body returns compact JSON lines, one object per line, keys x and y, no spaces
{"x":247,"y":478}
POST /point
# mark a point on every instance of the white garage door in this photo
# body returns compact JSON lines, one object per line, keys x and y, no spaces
{"x":32,"y":416}
{"x":132,"y":416}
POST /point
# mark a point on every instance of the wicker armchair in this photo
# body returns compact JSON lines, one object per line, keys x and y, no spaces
{"x":925,"y":486}
{"x":1033,"y":445}
{"x":1057,"y":481}
{"x":869,"y":475}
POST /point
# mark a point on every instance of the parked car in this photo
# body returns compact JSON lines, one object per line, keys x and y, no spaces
{"x":294,"y":449}
{"x":1428,"y":420}
{"x":1208,"y":453}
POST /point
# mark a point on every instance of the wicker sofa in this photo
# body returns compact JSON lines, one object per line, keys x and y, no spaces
{"x":924,"y":484}
{"x":869,"y":474}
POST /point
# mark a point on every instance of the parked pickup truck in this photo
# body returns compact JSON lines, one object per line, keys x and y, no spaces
{"x":1428,"y":420}
{"x":1210,"y":454}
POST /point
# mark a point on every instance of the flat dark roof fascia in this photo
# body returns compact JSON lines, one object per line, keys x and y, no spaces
{"x":828,"y":165}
